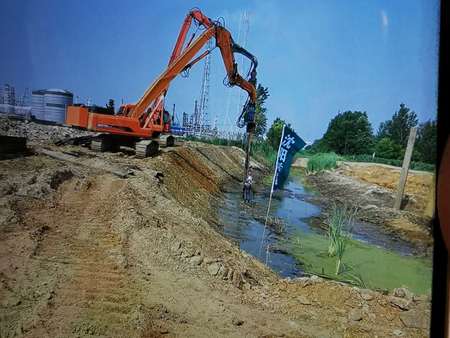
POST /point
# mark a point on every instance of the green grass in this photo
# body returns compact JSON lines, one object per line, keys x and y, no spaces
{"x":322,"y":161}
{"x":364,"y":265}
{"x":264,"y":153}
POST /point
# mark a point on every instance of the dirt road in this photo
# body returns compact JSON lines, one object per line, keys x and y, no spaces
{"x":85,"y":253}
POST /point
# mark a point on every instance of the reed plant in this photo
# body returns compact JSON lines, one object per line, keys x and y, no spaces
{"x":340,"y":223}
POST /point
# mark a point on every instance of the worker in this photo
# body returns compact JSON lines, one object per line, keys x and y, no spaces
{"x":247,"y":190}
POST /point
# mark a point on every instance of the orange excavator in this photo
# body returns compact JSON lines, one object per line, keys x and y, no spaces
{"x":146,"y":124}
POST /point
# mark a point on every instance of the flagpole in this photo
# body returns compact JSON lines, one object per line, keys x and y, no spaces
{"x":271,"y":192}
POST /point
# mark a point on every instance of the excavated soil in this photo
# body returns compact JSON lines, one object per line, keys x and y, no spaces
{"x":86,"y":252}
{"x":419,"y":189}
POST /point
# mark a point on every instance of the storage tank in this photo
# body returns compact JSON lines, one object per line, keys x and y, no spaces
{"x":37,"y":104}
{"x":51,"y":104}
{"x":56,"y":102}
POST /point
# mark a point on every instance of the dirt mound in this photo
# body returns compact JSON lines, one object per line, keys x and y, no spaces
{"x":419,"y":185}
{"x":100,"y":255}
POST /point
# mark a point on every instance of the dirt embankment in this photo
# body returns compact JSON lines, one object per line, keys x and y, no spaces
{"x":372,"y":189}
{"x":84,"y":252}
{"x":419,"y":189}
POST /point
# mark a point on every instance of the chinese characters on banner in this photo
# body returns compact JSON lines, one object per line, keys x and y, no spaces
{"x":290,"y":144}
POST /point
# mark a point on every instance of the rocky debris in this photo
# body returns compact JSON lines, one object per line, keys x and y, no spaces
{"x":196,"y":260}
{"x":369,"y":206}
{"x":355,"y":315}
{"x":223,"y":271}
{"x":38,"y":132}
{"x":214,"y":268}
{"x":398,"y":333}
{"x":210,"y":260}
{"x":415,"y":319}
{"x":303,"y":300}
{"x":237,"y":279}
{"x":403,"y":293}
{"x":421,"y":298}
{"x":401,"y":303}
{"x":59,"y":177}
{"x":176,"y":248}
{"x":237,"y":321}
{"x":38,"y":185}
{"x":366,"y":294}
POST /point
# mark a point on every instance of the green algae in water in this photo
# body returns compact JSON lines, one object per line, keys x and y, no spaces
{"x":367,"y":265}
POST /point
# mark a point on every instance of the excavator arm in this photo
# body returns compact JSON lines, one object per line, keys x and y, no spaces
{"x":181,"y":60}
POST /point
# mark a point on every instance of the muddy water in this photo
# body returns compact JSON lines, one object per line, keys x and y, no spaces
{"x":245,"y":225}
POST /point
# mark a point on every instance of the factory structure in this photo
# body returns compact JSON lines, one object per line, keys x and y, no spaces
{"x":11,"y":105}
{"x":51,"y":104}
{"x":45,"y":104}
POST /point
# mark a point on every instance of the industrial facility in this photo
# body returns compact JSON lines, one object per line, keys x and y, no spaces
{"x":46,"y":104}
{"x":10,"y":105}
{"x":50,"y":104}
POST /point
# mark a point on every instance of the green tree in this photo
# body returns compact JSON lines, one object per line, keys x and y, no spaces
{"x":274,"y":133}
{"x":262,"y":93}
{"x":387,"y":148}
{"x":318,"y":146}
{"x":397,"y":128}
{"x":349,"y":133}
{"x":426,"y":142}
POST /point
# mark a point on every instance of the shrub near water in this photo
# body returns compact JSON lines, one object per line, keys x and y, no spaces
{"x":340,"y":223}
{"x":263,"y":152}
{"x":322,"y":161}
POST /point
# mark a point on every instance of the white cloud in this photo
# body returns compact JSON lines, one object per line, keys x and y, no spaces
{"x":384,"y":20}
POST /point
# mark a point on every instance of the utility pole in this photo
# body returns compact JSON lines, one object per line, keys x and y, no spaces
{"x":405,"y":168}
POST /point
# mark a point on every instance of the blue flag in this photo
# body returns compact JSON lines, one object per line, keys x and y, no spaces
{"x":290,"y":143}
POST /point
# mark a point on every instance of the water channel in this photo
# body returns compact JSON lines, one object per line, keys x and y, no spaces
{"x":374,"y":258}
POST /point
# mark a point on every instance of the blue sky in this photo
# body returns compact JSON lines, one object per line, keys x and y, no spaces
{"x":316,"y":57}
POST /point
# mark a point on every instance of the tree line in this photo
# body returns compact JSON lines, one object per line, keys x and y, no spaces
{"x":351,"y":133}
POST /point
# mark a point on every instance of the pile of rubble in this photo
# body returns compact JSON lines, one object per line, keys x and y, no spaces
{"x":37,"y":132}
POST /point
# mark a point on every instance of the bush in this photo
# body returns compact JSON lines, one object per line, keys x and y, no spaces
{"x":322,"y":161}
{"x":386,"y":148}
{"x":263,"y":152}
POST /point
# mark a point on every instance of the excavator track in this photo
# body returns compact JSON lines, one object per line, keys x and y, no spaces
{"x":103,"y":143}
{"x":146,"y":148}
{"x":166,"y":141}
